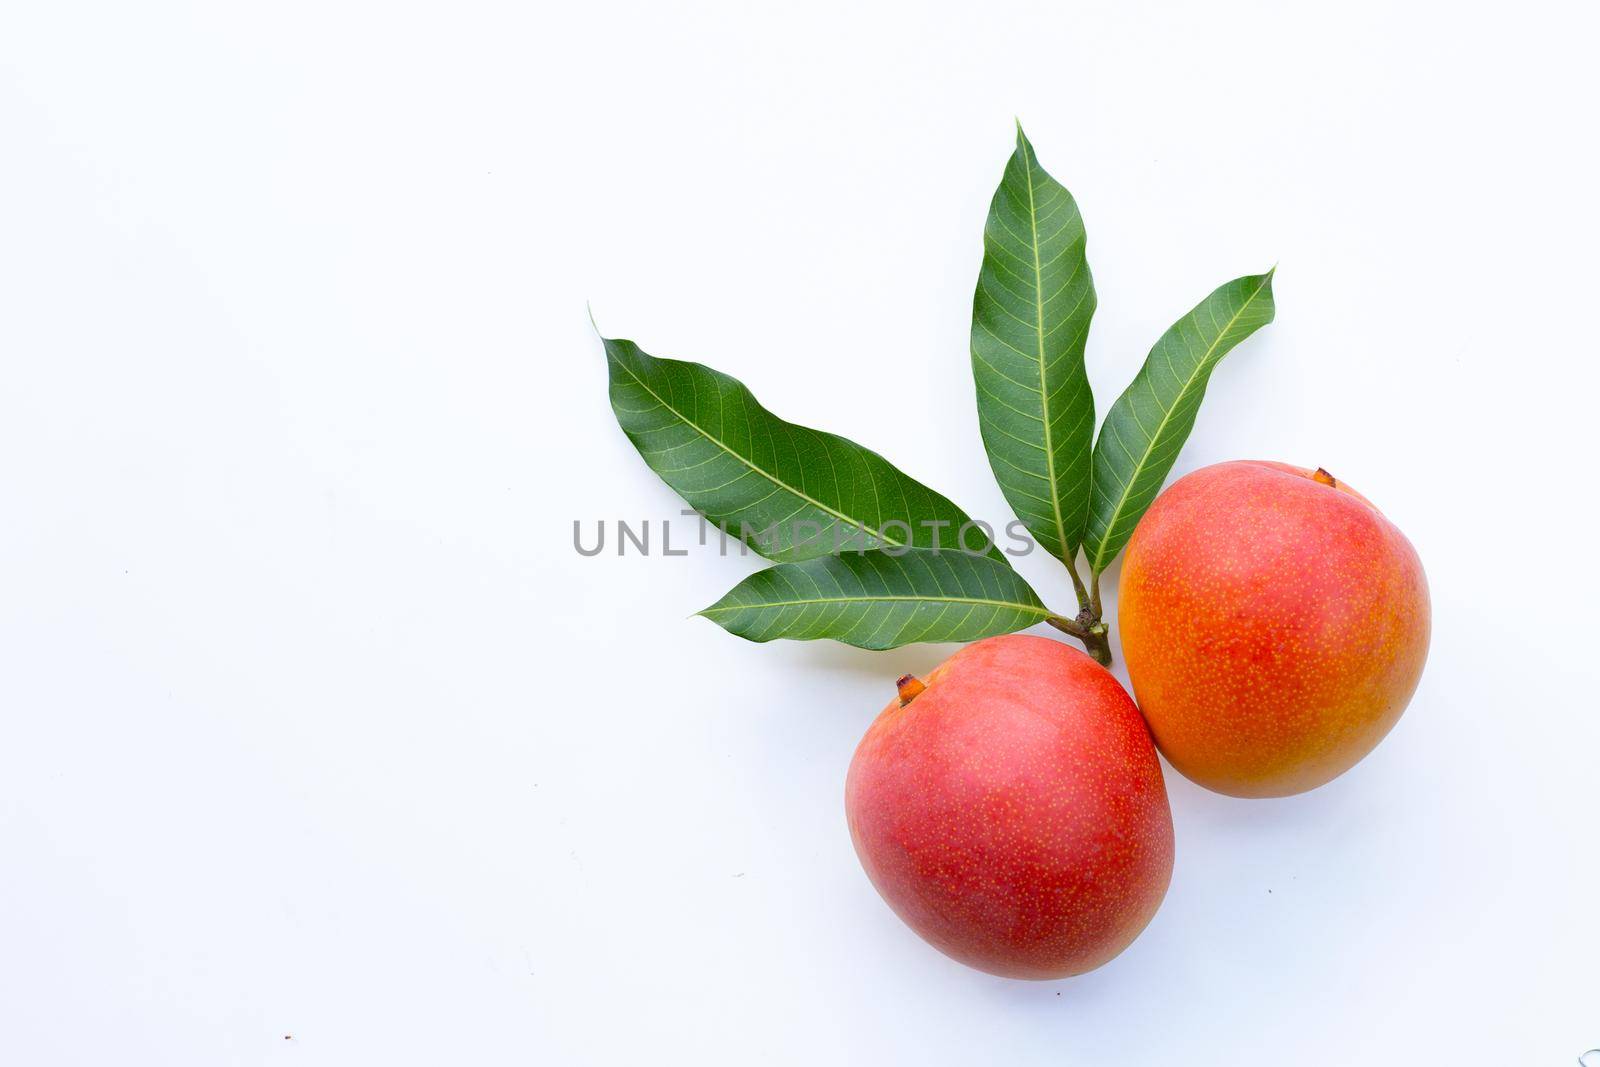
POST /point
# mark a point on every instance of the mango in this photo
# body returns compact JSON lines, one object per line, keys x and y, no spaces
{"x":1274,"y":625}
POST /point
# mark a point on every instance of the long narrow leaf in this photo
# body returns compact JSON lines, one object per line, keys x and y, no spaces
{"x":1030,"y":319}
{"x":1148,"y":424}
{"x":881,"y":600}
{"x":800,"y":493}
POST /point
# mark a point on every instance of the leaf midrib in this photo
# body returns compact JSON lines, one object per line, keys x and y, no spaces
{"x":1098,"y":563}
{"x":1038,"y":324}
{"x":1028,"y":608}
{"x":780,"y":483}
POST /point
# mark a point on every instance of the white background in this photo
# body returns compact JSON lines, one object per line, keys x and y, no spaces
{"x":320,"y":743}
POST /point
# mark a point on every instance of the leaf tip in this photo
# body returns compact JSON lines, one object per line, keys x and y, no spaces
{"x":707,"y":611}
{"x":1264,"y":283}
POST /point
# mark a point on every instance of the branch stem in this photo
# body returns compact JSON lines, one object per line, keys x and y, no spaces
{"x":1086,"y":627}
{"x":1068,"y":626}
{"x":1092,"y":632}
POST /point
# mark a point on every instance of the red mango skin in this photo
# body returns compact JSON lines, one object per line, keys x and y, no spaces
{"x":1274,"y":626}
{"x":1013,"y":813}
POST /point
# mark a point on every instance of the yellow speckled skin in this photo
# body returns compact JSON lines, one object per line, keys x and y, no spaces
{"x":1274,"y":627}
{"x":1013,"y":814}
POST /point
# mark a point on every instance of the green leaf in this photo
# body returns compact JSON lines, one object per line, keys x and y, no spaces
{"x":881,"y":599}
{"x":1149,"y":423}
{"x":1030,"y":319}
{"x":738,"y":464}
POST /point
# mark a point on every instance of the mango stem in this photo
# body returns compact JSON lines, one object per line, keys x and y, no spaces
{"x":910,"y":687}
